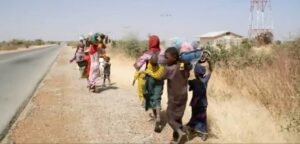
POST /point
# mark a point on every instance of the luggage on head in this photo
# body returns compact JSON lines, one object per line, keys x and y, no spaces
{"x":176,"y":42}
{"x":191,"y":56}
{"x":189,"y":52}
{"x":94,"y":38}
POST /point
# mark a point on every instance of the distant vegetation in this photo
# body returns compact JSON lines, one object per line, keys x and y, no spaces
{"x":72,"y":44}
{"x":17,"y":43}
{"x":131,"y":45}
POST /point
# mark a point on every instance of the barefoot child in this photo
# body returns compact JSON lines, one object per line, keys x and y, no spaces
{"x":154,"y":89}
{"x":198,"y":103}
{"x":106,"y":70}
{"x":177,"y":81}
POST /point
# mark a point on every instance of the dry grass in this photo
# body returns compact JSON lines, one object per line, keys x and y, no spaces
{"x":274,"y":83}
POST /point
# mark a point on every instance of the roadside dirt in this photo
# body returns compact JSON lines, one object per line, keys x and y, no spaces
{"x":63,"y":111}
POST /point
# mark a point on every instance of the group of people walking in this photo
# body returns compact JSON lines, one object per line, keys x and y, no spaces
{"x":174,"y":65}
{"x":153,"y":67}
{"x":91,"y":58}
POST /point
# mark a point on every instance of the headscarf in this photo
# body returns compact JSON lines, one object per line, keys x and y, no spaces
{"x":208,"y":52}
{"x":154,"y":43}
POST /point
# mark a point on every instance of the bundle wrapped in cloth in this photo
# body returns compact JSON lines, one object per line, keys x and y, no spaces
{"x":189,"y":52}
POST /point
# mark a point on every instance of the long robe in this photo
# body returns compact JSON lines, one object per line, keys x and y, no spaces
{"x":199,"y":104}
{"x":94,"y":69}
{"x":177,"y":81}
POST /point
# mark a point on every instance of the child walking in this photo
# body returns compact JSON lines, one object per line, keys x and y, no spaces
{"x":141,"y":65}
{"x":154,"y":90}
{"x":177,"y":81}
{"x":199,"y":102}
{"x":106,"y":70}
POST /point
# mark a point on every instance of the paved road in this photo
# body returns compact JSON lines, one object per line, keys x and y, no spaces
{"x":20,"y":73}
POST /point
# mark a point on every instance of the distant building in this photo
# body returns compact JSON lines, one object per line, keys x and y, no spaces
{"x":224,"y":39}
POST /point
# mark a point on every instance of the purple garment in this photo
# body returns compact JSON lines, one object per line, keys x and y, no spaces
{"x":79,"y":53}
{"x":142,"y":60}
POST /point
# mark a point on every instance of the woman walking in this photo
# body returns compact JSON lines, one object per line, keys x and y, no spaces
{"x":79,"y":57}
{"x":94,"y":69}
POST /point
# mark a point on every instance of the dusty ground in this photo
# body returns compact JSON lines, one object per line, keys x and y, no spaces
{"x":63,"y":111}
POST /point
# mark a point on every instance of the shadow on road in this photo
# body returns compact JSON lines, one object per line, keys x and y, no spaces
{"x":100,"y":89}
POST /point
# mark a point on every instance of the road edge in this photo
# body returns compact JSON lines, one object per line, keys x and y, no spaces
{"x":4,"y":133}
{"x":22,"y":49}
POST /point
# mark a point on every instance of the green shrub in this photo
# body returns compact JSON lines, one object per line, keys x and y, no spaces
{"x":131,"y":45}
{"x":17,"y":43}
{"x":38,"y":42}
{"x":237,"y":56}
{"x":72,"y":44}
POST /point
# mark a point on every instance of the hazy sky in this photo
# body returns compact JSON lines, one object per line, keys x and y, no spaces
{"x":67,"y":19}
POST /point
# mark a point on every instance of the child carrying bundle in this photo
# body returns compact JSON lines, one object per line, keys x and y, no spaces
{"x":141,"y":65}
{"x":154,"y":90}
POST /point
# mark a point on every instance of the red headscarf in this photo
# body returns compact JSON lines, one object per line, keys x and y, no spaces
{"x":154,"y":43}
{"x":93,"y":49}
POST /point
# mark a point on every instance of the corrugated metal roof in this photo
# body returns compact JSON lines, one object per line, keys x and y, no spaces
{"x":216,"y":34}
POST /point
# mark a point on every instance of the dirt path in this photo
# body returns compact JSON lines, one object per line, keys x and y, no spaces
{"x":63,"y":111}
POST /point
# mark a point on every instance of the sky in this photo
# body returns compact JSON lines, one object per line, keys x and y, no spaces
{"x":68,"y":19}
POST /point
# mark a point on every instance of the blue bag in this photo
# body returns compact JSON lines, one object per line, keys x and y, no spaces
{"x":188,"y":57}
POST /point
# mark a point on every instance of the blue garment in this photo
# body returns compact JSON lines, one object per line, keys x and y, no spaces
{"x":199,"y":93}
{"x":205,"y":80}
{"x":190,"y":56}
{"x":199,"y":104}
{"x":198,"y":120}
